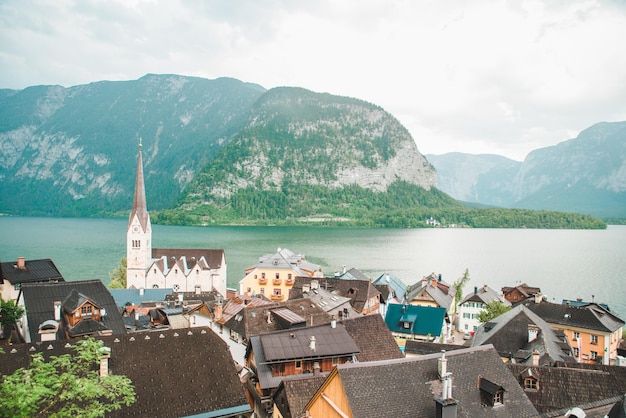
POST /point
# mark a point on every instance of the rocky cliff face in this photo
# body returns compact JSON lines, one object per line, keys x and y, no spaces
{"x":586,"y":174}
{"x":295,"y":136}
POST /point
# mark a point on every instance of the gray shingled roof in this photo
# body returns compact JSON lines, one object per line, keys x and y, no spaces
{"x":592,"y":316}
{"x":484,"y":294}
{"x":34,"y":271}
{"x":39,"y":301}
{"x":371,"y":335}
{"x":293,"y":394}
{"x":175,"y":373}
{"x":408,"y":387}
{"x":359,"y":291}
{"x":508,"y":333}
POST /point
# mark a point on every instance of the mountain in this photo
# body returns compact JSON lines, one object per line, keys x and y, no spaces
{"x":72,"y":151}
{"x":586,"y":174}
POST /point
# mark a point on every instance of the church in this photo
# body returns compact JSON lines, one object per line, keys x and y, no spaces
{"x":182,"y":270}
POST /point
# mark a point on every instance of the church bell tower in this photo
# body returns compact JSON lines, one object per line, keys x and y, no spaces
{"x":139,"y":234}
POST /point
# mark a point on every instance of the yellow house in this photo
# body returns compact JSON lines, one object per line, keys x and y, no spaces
{"x":593,"y":331}
{"x":274,"y":275}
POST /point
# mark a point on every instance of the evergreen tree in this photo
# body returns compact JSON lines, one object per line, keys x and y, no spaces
{"x":118,"y":275}
{"x":458,"y":285}
{"x":10,"y":313}
{"x":494,"y":309}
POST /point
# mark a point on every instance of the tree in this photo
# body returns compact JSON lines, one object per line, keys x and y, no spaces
{"x":458,"y":285}
{"x":118,"y":276}
{"x":494,"y":309}
{"x":65,"y":386}
{"x":10,"y":313}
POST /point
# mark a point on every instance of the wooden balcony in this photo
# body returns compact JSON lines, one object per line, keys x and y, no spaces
{"x":276,"y":297}
{"x":263,"y":280}
{"x":277,"y":280}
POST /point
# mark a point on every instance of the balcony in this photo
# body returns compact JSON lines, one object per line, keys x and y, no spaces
{"x":277,"y":280}
{"x":289,"y":281}
{"x":276,"y":297}
{"x":263,"y":280}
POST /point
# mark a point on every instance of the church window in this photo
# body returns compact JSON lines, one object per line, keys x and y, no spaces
{"x":176,"y":288}
{"x":154,"y":271}
{"x":155,"y":286}
{"x":136,"y":243}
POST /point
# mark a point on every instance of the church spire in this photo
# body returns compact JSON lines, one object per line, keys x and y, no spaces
{"x":139,"y":201}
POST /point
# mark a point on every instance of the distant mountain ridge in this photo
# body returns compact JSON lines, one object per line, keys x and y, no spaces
{"x":586,"y":174}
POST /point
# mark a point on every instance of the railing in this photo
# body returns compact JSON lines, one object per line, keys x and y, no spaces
{"x":276,"y":280}
{"x":276,"y":297}
{"x":263,"y":280}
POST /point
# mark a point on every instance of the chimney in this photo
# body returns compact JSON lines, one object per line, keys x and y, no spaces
{"x":535,"y":358}
{"x":445,"y":408}
{"x":21,"y":263}
{"x":312,"y":343}
{"x":533,"y":332}
{"x":269,"y":317}
{"x":315,"y":284}
{"x":333,"y":322}
{"x":475,"y":290}
{"x":439,"y":277}
{"x":316,"y":368}
{"x":198,"y":290}
{"x":181,"y":297}
{"x":343,"y":269}
{"x":136,"y":314}
{"x":217,"y":311}
{"x":306,"y":288}
{"x":105,"y":354}
{"x":538,"y":297}
{"x":57,"y":310}
{"x":442,"y":364}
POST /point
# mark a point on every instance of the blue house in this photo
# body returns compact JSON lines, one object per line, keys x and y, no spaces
{"x":415,"y":322}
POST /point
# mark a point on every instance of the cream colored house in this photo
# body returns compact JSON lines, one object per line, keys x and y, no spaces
{"x":274,"y":275}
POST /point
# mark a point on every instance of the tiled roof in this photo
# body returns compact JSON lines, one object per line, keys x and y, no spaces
{"x":592,"y":316}
{"x":408,"y":387}
{"x":353,"y":274}
{"x":443,"y":295}
{"x":34,"y":271}
{"x":484,"y":294}
{"x":371,"y":335}
{"x":584,"y":383}
{"x":175,"y":373}
{"x":292,"y":395}
{"x":508,"y":333}
{"x":39,"y":301}
{"x":359,"y":291}
{"x":190,"y":257}
{"x":422,"y":348}
{"x":423,"y":320}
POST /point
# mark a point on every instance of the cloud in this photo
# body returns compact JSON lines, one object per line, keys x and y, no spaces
{"x":484,"y":76}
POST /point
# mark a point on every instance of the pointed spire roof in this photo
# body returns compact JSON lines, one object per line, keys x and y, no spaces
{"x":139,"y":201}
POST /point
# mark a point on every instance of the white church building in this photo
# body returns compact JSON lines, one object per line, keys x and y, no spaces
{"x":181,"y":269}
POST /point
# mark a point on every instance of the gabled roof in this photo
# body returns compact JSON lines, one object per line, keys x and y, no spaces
{"x":584,"y":383}
{"x":411,"y":386}
{"x":330,"y":302}
{"x":371,"y":335}
{"x":175,"y":373}
{"x":359,"y":291}
{"x":188,"y":258}
{"x":33,"y":271}
{"x":484,"y":294}
{"x":353,"y":274}
{"x":284,"y":258}
{"x":397,"y":286}
{"x":441,"y":293}
{"x":524,"y":289}
{"x":39,"y":301}
{"x":591,"y":316}
{"x":293,"y":394}
{"x":509,"y":334}
{"x":423,"y":320}
{"x":74,"y":300}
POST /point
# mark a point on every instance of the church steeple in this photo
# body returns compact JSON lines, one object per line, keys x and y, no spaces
{"x":139,"y":234}
{"x":140,"y":208}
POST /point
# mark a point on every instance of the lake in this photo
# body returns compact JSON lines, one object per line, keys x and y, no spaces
{"x":564,"y":263}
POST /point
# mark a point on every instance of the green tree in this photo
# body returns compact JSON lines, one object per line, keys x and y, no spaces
{"x":10,"y":313}
{"x":65,"y":386}
{"x":494,"y":309}
{"x":458,"y":285}
{"x":118,"y":276}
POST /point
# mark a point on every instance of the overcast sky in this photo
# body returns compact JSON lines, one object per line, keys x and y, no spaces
{"x":501,"y":77}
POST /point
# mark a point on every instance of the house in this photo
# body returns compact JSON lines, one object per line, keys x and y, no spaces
{"x":364,"y":297}
{"x":470,"y":382}
{"x":60,"y":311}
{"x":417,"y":322}
{"x":588,"y":386}
{"x":16,"y":273}
{"x":431,"y":291}
{"x":307,"y":350}
{"x":523,"y":337}
{"x":331,"y":302}
{"x":594,"y":332}
{"x":183,"y":270}
{"x":519,"y":293}
{"x":472,"y":304}
{"x":182,"y":374}
{"x":274,"y":274}
{"x":392,"y":290}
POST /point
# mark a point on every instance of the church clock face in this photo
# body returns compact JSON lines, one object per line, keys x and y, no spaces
{"x":135,"y":229}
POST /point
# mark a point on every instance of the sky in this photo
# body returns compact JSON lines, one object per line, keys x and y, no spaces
{"x":497,"y":77}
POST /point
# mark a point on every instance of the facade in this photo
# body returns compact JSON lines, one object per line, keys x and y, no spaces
{"x":593,"y":332}
{"x":519,"y":293}
{"x":183,"y":270}
{"x":473,"y":304}
{"x":274,"y":275}
{"x":431,"y":291}
{"x":14,"y":274}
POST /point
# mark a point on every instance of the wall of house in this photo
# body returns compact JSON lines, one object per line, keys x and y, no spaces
{"x":273,"y":283}
{"x":8,"y":290}
{"x":587,"y":347}
{"x":468,"y":316}
{"x":334,"y":390}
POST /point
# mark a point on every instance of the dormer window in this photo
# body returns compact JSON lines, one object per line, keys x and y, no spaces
{"x":530,"y":383}
{"x":491,"y":393}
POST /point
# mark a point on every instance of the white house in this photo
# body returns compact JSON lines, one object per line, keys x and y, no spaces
{"x":473,"y":304}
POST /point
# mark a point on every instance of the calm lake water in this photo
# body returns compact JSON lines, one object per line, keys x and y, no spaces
{"x":564,"y":263}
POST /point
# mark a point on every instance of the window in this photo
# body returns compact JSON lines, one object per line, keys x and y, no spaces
{"x":176,"y":288}
{"x":530,"y":383}
{"x":136,"y":243}
{"x":594,"y":339}
{"x":262,"y":275}
{"x":466,"y":316}
{"x":86,"y":310}
{"x":497,"y":398}
{"x":276,"y":291}
{"x":155,"y":286}
{"x":262,"y":290}
{"x":576,"y":335}
{"x":466,"y":327}
{"x":278,"y":275}
{"x":289,"y":276}
{"x":594,"y":355}
{"x":154,"y":271}
{"x":406,"y":325}
{"x":575,"y":351}
{"x":298,"y":364}
{"x":335,"y":360}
